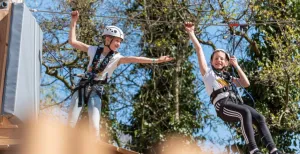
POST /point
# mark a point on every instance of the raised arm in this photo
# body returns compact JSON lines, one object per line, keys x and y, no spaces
{"x":72,"y":34}
{"x":133,"y":59}
{"x":243,"y":80}
{"x":189,"y":27}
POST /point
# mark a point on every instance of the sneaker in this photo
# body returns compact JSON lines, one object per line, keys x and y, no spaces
{"x":277,"y":152}
{"x":257,"y":152}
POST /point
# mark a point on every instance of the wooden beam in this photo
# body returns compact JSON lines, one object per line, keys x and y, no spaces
{"x":5,"y":15}
{"x":5,"y":123}
{"x":8,"y":144}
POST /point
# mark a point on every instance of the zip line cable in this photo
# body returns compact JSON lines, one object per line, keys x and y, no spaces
{"x":115,"y":17}
{"x":172,"y":22}
{"x":176,"y":7}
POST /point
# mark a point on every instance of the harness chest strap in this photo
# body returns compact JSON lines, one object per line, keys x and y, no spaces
{"x":96,"y":68}
{"x":83,"y":84}
{"x":215,"y":93}
{"x":232,"y":94}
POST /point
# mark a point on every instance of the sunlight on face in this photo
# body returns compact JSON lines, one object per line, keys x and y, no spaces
{"x":219,"y":60}
{"x":114,"y":42}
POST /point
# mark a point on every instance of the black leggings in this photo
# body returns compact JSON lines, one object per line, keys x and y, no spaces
{"x":229,"y":111}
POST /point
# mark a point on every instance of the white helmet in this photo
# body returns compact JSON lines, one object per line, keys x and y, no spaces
{"x":113,"y":31}
{"x":222,"y":50}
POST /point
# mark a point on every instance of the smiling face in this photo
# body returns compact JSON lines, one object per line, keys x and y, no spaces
{"x":115,"y":42}
{"x":219,"y":60}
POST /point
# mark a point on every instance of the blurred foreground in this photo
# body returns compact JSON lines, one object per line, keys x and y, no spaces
{"x":52,"y":137}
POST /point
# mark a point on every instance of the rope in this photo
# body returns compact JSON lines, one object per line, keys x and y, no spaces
{"x":234,"y":74}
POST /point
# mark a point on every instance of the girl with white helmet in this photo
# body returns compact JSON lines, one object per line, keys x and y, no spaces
{"x":102,"y":62}
{"x":220,"y":85}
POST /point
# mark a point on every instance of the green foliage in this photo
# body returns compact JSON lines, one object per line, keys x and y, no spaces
{"x":167,"y":103}
{"x":274,"y":73}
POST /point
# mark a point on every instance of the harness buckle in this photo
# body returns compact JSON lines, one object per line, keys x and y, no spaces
{"x":89,"y":88}
{"x":101,"y":89}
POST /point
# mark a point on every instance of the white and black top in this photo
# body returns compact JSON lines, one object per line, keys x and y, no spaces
{"x":214,"y":82}
{"x":112,"y":65}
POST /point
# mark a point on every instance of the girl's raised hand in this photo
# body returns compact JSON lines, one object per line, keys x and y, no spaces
{"x":189,"y":27}
{"x":75,"y":15}
{"x":233,"y":61}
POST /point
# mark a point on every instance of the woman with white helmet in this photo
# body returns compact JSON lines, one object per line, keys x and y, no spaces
{"x":102,"y":62}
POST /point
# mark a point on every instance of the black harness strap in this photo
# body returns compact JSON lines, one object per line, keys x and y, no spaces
{"x":88,"y":82}
{"x":215,"y":93}
{"x":233,"y":93}
{"x":98,"y":67}
{"x":85,"y":84}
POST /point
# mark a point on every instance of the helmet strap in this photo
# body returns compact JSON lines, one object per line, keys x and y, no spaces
{"x":109,"y":44}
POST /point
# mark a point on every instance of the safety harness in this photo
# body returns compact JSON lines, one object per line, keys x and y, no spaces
{"x":232,"y":89}
{"x":87,"y":83}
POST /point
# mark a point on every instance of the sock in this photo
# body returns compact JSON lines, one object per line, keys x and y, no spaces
{"x":252,"y":151}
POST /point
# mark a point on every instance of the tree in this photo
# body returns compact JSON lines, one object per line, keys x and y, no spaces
{"x":267,"y":42}
{"x":167,"y":103}
{"x":275,"y":69}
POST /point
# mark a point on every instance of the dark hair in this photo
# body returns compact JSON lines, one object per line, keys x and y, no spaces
{"x":219,"y":50}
